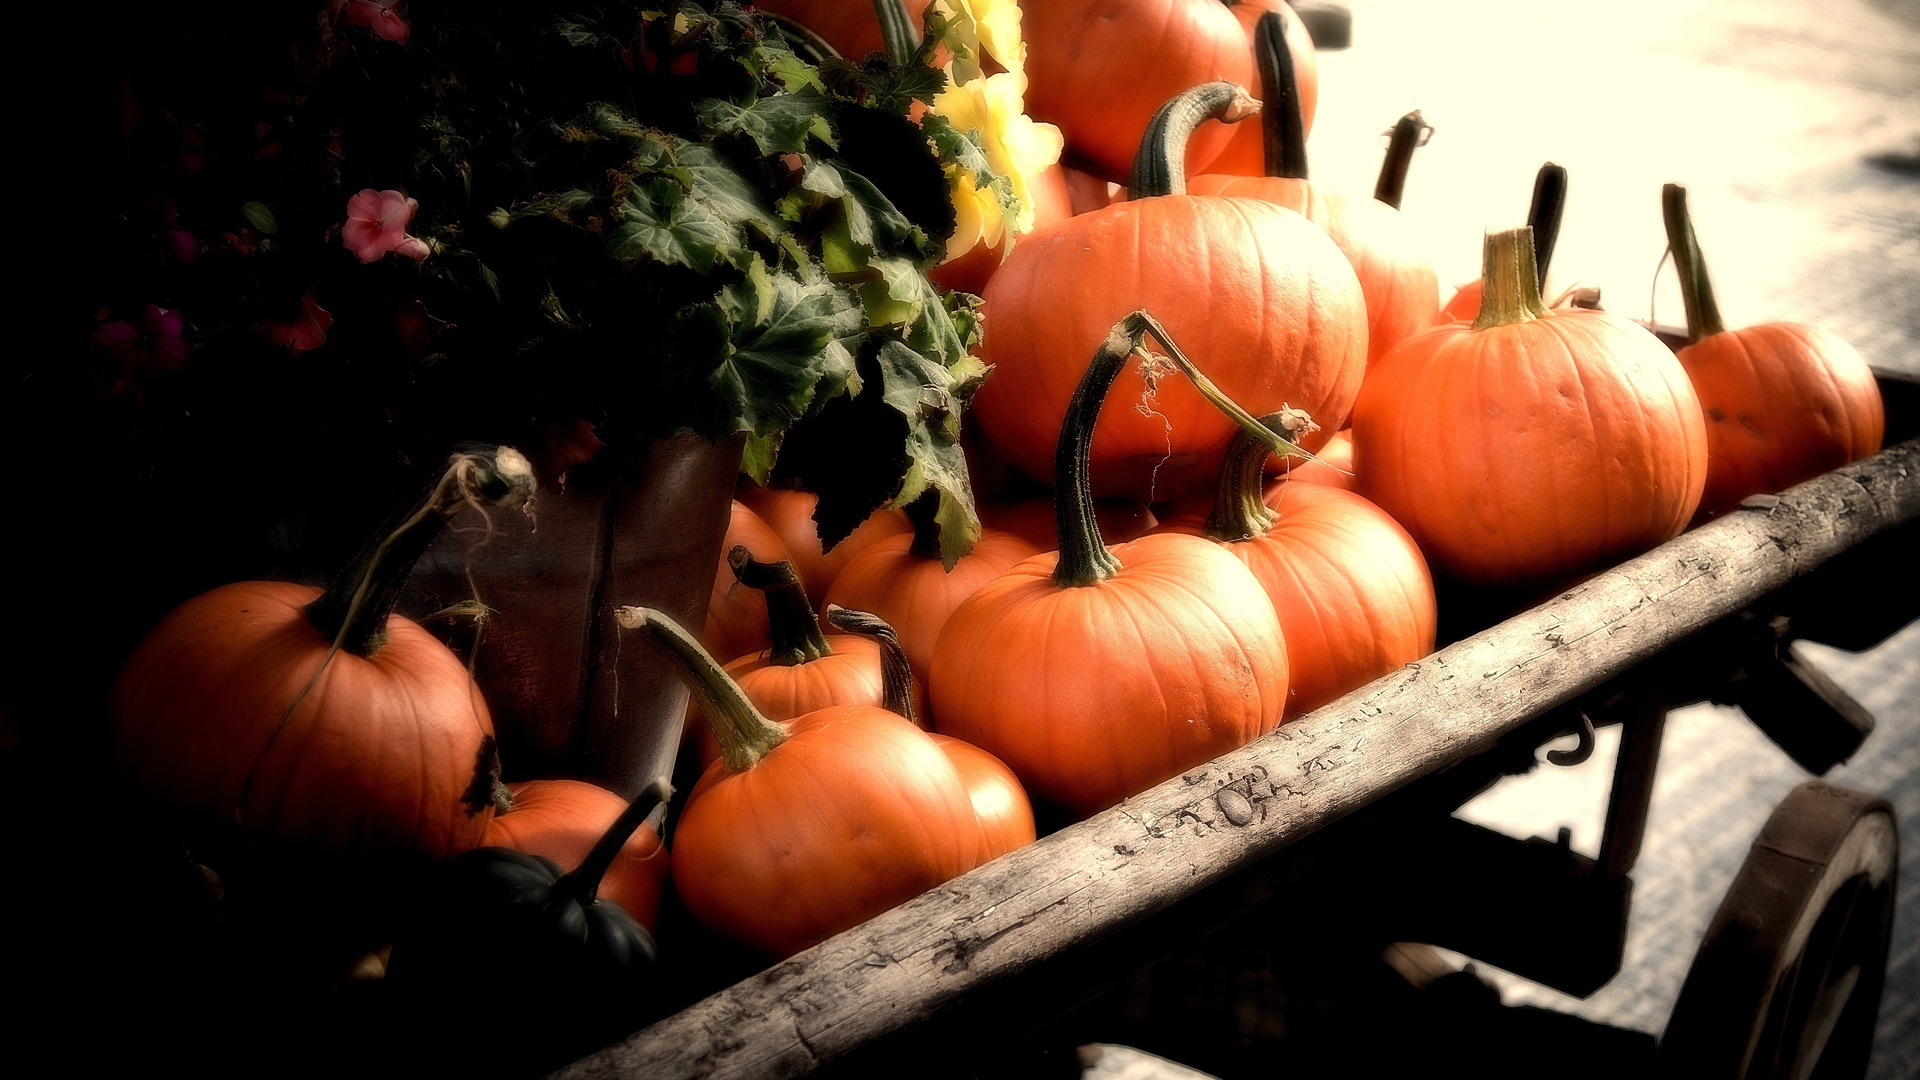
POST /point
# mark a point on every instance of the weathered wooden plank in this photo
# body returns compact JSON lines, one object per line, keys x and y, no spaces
{"x":1174,"y":839}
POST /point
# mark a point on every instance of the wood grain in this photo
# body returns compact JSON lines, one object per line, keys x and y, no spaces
{"x":1174,"y":839}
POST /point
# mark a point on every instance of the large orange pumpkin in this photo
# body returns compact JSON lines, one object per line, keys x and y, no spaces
{"x":1530,"y":443}
{"x":803,"y":830}
{"x":1099,"y":69}
{"x":1396,"y":278}
{"x":316,"y":722}
{"x":1094,"y":673}
{"x":903,"y":580}
{"x":1784,"y":402}
{"x":1262,"y":297}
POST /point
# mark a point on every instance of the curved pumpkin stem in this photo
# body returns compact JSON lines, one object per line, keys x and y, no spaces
{"x":745,"y":734}
{"x":896,"y":675}
{"x":1240,"y":510}
{"x":1544,"y":214}
{"x":1084,"y":558}
{"x":897,"y":31}
{"x":1283,"y":129}
{"x":797,"y":638}
{"x":1160,"y":167}
{"x":352,"y":612}
{"x":1510,"y":286}
{"x":1696,"y":288}
{"x":1409,"y":133}
{"x":582,"y":884}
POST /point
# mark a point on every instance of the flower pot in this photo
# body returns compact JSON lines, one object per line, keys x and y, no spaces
{"x":569,"y":697}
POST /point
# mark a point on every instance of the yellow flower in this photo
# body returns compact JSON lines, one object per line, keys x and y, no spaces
{"x":1015,"y":147}
{"x":991,"y":27}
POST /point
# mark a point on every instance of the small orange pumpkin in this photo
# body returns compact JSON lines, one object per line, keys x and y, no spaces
{"x":562,"y":820}
{"x":1784,"y":402}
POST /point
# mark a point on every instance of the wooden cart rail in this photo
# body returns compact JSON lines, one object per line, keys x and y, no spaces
{"x":1174,"y":839}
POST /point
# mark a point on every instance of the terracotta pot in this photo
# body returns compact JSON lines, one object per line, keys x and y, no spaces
{"x":569,"y":696}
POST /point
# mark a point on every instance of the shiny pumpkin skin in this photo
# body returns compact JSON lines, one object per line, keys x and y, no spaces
{"x":1192,"y":261}
{"x":1784,"y":403}
{"x":789,"y":514}
{"x":1517,"y":453}
{"x":1099,"y":69}
{"x":377,"y":761}
{"x":999,"y":802}
{"x":1353,"y":593}
{"x":736,"y":615}
{"x":1397,"y":280}
{"x":561,"y":820}
{"x":851,"y":675}
{"x":856,"y":813}
{"x":1245,"y":153}
{"x":916,"y":594}
{"x":1092,"y":694}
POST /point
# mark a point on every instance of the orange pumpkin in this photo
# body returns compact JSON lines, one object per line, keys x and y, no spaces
{"x":801,"y":831}
{"x":903,"y":580}
{"x":1202,"y":260}
{"x":1094,"y":673}
{"x":789,"y":514}
{"x":1100,"y":69}
{"x":999,"y":802}
{"x":1246,"y":153}
{"x":1784,"y":402}
{"x":805,"y":668}
{"x":1396,"y":279}
{"x":1352,"y":591}
{"x":562,"y":820}
{"x":1530,"y":443}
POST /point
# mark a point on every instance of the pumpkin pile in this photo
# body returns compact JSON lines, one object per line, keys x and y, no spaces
{"x":1237,"y":451}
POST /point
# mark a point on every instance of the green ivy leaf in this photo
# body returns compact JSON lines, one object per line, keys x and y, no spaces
{"x":780,"y":124}
{"x":659,"y":223}
{"x":713,"y":180}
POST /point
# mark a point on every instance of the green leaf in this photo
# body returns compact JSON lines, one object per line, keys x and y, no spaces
{"x":931,"y":398}
{"x":780,"y":124}
{"x":713,"y":180}
{"x":795,"y":74}
{"x":658,"y":223}
{"x":894,"y":295}
{"x":260,"y":218}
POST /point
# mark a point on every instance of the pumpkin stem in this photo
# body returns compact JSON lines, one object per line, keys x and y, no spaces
{"x":1696,"y":288}
{"x":1544,"y":214}
{"x":897,"y":31}
{"x":805,"y":44}
{"x":1409,"y":133}
{"x":353,"y":611}
{"x":745,"y":734}
{"x":1084,"y":558}
{"x":1160,"y":166}
{"x":1510,"y":286}
{"x":797,"y":637}
{"x":1240,"y":510}
{"x":582,"y":884}
{"x":1283,"y":129}
{"x":896,"y":675}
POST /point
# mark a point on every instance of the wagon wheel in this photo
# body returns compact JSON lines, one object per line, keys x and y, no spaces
{"x":1787,"y":983}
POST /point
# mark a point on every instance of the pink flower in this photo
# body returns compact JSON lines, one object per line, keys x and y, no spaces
{"x":385,"y":18}
{"x":307,"y":331}
{"x":154,"y":340}
{"x":377,"y":223}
